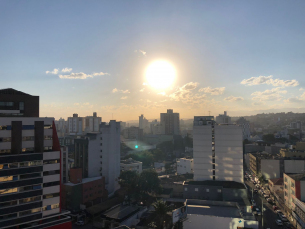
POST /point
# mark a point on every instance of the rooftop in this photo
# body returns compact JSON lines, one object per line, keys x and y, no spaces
{"x":11,"y":91}
{"x":85,"y":180}
{"x":130,"y":161}
{"x":121,"y":212}
{"x":224,"y":184}
{"x":296,"y":176}
{"x":277,"y":181}
{"x":220,"y":211}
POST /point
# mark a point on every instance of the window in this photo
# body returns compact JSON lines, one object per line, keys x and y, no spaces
{"x":9,"y":203}
{"x":21,"y":106}
{"x":8,"y":216}
{"x":53,"y":172}
{"x":29,"y":211}
{"x":27,"y":176}
{"x":207,"y":190}
{"x":8,"y":190}
{"x":219,"y":190}
{"x":28,"y":138}
{"x":48,"y":137}
{"x":9,"y":166}
{"x":196,"y":189}
{"x":51,"y":162}
{"x":5,"y":127}
{"x":48,"y":196}
{"x":30,"y":163}
{"x":31,"y":199}
{"x":8,"y":139}
{"x":6,"y":104}
{"x":185,"y":189}
{"x":28,"y":127}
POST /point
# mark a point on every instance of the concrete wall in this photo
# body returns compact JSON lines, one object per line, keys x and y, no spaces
{"x":185,"y":166}
{"x":202,"y":192}
{"x":229,"y":153}
{"x":294,"y":166}
{"x":202,"y":152}
{"x":230,"y":194}
{"x":270,"y":168}
{"x":94,"y":153}
{"x":250,"y":148}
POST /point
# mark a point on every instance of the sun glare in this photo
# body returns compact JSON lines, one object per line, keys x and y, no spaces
{"x":160,"y":74}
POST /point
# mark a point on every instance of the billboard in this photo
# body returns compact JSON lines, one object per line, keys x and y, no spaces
{"x":179,"y":213}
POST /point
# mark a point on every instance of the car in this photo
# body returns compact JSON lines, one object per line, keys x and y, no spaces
{"x":279,"y":212}
{"x":283,"y":218}
{"x":258,"y":212}
{"x":279,"y":222}
{"x":266,"y":196}
{"x":275,"y":207}
{"x":269,"y":200}
{"x":80,"y":223}
{"x":288,"y":225}
{"x":255,"y":190}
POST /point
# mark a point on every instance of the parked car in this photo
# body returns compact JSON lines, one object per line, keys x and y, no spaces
{"x":283,"y":218}
{"x":80,"y":223}
{"x":279,"y":212}
{"x":275,"y":207}
{"x":269,"y":200}
{"x":279,"y":222}
{"x":266,"y":196}
{"x":288,"y":225}
{"x":258,"y":212}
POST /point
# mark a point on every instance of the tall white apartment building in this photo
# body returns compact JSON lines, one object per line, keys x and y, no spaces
{"x":92,"y":123}
{"x":98,"y":154}
{"x":217,"y":150}
{"x":185,"y":166}
{"x":223,"y":118}
{"x":79,"y":125}
{"x":75,"y":125}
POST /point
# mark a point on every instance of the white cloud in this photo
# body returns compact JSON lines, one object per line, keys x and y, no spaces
{"x":140,"y":51}
{"x":121,"y":91}
{"x":100,"y":74}
{"x":162,"y":93}
{"x":124,"y":97}
{"x":233,"y":99}
{"x":142,"y":89}
{"x":269,"y":80}
{"x":300,"y":99}
{"x":301,"y":89}
{"x":257,"y":103}
{"x":54,"y":72}
{"x":275,"y":94}
{"x":66,"y":69}
{"x":79,"y":75}
{"x":213,"y":91}
{"x":186,"y":95}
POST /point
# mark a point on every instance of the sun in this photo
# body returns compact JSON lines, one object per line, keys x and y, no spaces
{"x":160,"y":74}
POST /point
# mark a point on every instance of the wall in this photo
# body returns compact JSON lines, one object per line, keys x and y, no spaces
{"x":229,"y":153}
{"x":215,"y":192}
{"x":270,"y":168}
{"x":230,"y":194}
{"x":294,"y":166}
{"x":67,"y":225}
{"x":185,"y":166}
{"x":94,"y":153}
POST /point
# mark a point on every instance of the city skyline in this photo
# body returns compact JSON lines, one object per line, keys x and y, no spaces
{"x":241,"y":57}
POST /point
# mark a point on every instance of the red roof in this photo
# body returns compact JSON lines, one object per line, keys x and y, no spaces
{"x":277,"y":181}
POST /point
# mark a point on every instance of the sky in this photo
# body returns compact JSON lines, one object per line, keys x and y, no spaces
{"x":245,"y":57}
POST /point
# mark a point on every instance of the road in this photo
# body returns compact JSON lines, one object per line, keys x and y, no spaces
{"x":269,"y":215}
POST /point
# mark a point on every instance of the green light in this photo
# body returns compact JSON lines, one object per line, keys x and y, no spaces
{"x":136,"y":146}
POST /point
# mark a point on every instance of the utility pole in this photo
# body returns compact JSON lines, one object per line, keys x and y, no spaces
{"x":252,"y":193}
{"x":262,"y":213}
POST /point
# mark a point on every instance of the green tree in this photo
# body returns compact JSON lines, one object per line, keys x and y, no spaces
{"x":149,"y":182}
{"x":269,"y":138}
{"x":159,"y":155}
{"x":129,"y":180}
{"x":161,"y":210}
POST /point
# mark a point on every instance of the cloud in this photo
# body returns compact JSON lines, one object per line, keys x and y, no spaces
{"x":275,"y":94}
{"x":66,"y":70}
{"x":142,"y":89}
{"x":54,"y":72}
{"x":100,"y":74}
{"x":213,"y":91}
{"x":301,"y":89}
{"x":121,"y":91}
{"x":233,"y":99}
{"x":269,"y":80}
{"x":73,"y":75}
{"x":124,"y":97}
{"x":162,"y":93}
{"x":186,"y":95}
{"x":300,"y":99}
{"x":257,"y":103}
{"x":140,"y":51}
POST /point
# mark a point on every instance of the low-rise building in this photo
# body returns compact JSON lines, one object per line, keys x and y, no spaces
{"x":131,"y":165}
{"x":299,"y":213}
{"x":218,"y":214}
{"x":79,"y":192}
{"x":276,"y":185}
{"x":294,"y":188}
{"x":185,"y":166}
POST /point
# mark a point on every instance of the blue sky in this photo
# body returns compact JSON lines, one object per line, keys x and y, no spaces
{"x":240,"y":56}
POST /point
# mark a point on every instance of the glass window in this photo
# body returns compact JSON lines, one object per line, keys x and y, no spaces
{"x":207,"y":190}
{"x":28,"y":127}
{"x":185,"y":189}
{"x":48,"y":137}
{"x":9,"y":166}
{"x":28,"y":176}
{"x":196,"y":189}
{"x":8,"y":178}
{"x":7,"y":204}
{"x":21,"y":105}
{"x":29,"y":211}
{"x":5,"y":139}
{"x":219,"y":190}
{"x":48,"y":196}
{"x":8,"y":216}
{"x":28,"y":138}
{"x":31,"y":199}
{"x":5,"y":151}
{"x":30,"y":163}
{"x":8,"y":190}
{"x":51,"y":162}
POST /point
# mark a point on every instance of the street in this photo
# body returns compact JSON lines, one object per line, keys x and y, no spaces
{"x":269,"y":216}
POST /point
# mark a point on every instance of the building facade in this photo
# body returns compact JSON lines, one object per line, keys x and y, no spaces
{"x":131,"y":165}
{"x":30,"y":170}
{"x":245,"y":125}
{"x":223,"y":118}
{"x":294,"y":188}
{"x":185,"y":166}
{"x":171,"y":122}
{"x":217,"y":150}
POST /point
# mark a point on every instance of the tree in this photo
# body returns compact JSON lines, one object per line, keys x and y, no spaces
{"x":161,"y":210}
{"x":129,"y":180}
{"x":159,"y":155}
{"x":269,"y":138}
{"x":149,"y":182}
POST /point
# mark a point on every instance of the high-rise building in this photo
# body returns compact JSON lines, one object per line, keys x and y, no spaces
{"x":171,"y":122}
{"x":223,"y":119}
{"x":217,"y":150}
{"x":98,"y":154}
{"x":79,"y":125}
{"x":30,"y":168}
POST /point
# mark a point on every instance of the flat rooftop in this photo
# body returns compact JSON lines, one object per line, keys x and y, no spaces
{"x":121,"y":212}
{"x":219,"y":211}
{"x":296,"y":176}
{"x":85,"y":180}
{"x":224,"y":184}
